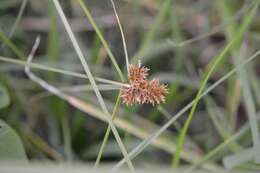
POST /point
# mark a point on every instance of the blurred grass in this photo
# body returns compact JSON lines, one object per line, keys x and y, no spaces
{"x":51,"y":130}
{"x":210,"y":69}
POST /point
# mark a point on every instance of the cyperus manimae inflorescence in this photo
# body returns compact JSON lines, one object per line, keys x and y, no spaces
{"x":141,"y":90}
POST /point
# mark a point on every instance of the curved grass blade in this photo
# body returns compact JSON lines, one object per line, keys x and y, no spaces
{"x":212,"y":66}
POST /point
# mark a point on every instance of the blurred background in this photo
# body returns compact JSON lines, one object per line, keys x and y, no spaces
{"x":176,"y":40}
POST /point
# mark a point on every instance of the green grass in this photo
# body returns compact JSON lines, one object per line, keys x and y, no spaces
{"x":201,"y":49}
{"x":238,"y":36}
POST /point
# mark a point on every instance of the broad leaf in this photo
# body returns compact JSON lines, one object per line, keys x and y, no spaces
{"x":11,"y":147}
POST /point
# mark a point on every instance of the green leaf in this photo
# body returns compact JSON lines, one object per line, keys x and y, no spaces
{"x":11,"y":147}
{"x":4,"y":97}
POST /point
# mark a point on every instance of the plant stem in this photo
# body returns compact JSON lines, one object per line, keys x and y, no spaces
{"x":105,"y":139}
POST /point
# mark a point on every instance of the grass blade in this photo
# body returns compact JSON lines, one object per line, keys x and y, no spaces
{"x":148,"y":38}
{"x":221,"y":146}
{"x":17,"y":20}
{"x":155,"y":135}
{"x":122,"y":35}
{"x":105,"y":44}
{"x":105,"y":139}
{"x":7,"y":41}
{"x":209,"y":72}
{"x":93,"y":83}
{"x":238,"y":53}
{"x":61,"y":71}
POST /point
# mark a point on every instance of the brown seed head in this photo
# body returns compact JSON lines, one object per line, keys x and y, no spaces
{"x":141,"y":90}
{"x":137,"y":73}
{"x":156,"y":92}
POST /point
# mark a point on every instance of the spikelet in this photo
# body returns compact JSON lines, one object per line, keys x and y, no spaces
{"x":137,"y":73}
{"x":156,"y":92}
{"x":140,"y":90}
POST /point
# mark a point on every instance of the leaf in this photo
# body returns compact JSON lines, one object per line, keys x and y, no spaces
{"x":11,"y":147}
{"x":4,"y":97}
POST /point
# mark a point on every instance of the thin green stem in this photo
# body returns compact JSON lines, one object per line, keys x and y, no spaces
{"x":7,"y":41}
{"x":17,"y":20}
{"x":98,"y":32}
{"x":122,"y":35}
{"x":61,"y":71}
{"x":105,"y":139}
{"x":148,"y":38}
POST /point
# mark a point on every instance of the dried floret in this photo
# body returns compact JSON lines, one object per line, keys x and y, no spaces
{"x":141,"y":90}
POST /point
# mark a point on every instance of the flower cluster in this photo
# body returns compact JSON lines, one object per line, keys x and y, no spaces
{"x":141,"y":90}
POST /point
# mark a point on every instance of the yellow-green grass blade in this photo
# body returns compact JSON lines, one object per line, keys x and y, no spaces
{"x":244,"y":26}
